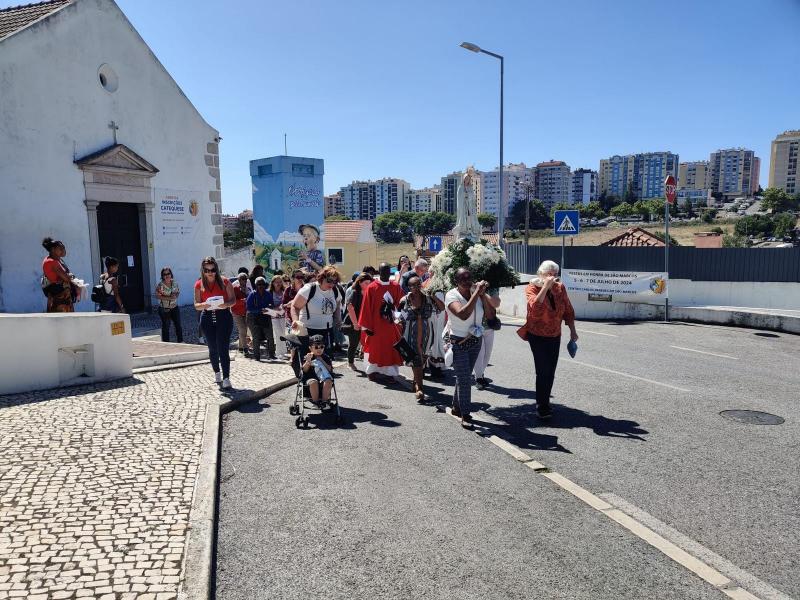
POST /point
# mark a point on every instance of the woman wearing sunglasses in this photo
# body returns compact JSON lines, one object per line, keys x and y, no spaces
{"x":167,"y":292}
{"x":316,"y":306}
{"x":213,"y":296}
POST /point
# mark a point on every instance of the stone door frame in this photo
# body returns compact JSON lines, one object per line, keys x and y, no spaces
{"x":118,"y":174}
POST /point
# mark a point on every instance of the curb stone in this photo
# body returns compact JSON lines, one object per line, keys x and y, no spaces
{"x":199,"y":555}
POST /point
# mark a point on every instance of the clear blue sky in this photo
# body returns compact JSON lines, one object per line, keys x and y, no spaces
{"x":380,"y":88}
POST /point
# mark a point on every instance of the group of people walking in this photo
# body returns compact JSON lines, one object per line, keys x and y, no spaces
{"x":387,"y":316}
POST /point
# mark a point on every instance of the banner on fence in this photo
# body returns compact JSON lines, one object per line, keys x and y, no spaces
{"x":626,"y":286}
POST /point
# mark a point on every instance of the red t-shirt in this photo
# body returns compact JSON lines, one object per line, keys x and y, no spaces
{"x":212,"y":290}
{"x":239,"y":309}
{"x":51,"y":267}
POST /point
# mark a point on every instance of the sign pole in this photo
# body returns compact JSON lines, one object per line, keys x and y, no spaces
{"x":669,"y":192}
{"x":563,"y":238}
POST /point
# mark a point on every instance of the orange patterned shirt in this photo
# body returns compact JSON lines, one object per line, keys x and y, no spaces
{"x":544,"y":318}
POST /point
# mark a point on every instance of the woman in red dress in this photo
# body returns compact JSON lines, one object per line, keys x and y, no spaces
{"x":60,"y":290}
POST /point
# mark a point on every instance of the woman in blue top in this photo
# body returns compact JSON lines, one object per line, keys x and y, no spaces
{"x":258,"y":321}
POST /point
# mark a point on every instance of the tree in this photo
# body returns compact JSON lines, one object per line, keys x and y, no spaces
{"x":642,"y":208}
{"x":630,"y":193}
{"x":487,"y":220}
{"x":594,"y":210}
{"x":394,"y":227}
{"x":607,"y":201}
{"x":689,"y":208}
{"x":538,"y":217}
{"x":756,"y":225}
{"x":559,"y":206}
{"x":622,"y":210}
{"x":783,"y":225}
{"x":433,"y":223}
{"x":709,"y":215}
{"x":338,"y":218}
{"x":776,"y":200}
{"x":240,"y":237}
{"x":734,"y":241}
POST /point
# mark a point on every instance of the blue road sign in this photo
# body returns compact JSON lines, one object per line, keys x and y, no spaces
{"x":567,"y":222}
{"x":435,"y":243}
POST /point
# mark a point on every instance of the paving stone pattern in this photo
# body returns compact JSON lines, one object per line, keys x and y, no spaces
{"x":96,"y":482}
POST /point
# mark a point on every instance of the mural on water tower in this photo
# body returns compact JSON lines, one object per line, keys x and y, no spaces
{"x":288,"y":215}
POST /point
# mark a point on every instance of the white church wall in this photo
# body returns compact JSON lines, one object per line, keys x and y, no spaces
{"x":54,"y":110}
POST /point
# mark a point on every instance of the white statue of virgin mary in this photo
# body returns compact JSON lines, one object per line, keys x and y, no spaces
{"x":467,"y":225}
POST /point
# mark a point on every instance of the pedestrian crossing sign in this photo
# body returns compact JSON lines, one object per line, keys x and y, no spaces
{"x":566,"y":222}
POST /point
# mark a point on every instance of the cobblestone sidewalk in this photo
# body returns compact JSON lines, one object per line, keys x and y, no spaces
{"x":96,"y":482}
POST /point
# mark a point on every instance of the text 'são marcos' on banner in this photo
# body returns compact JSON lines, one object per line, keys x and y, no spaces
{"x":627,"y":286}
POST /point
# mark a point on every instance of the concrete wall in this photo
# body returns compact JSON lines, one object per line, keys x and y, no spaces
{"x":53,"y":110}
{"x":687,"y":298}
{"x":44,"y":351}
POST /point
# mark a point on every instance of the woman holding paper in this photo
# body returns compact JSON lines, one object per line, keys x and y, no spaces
{"x":277,"y":287}
{"x":548,"y":306}
{"x":213,"y":296}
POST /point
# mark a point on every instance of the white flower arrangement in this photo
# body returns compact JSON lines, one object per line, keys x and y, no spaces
{"x":484,"y":260}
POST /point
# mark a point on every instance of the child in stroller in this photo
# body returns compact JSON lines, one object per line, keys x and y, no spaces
{"x":314,"y":371}
{"x":318,"y":371}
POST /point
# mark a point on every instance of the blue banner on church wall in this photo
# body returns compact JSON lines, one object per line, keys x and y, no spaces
{"x":288,"y":211}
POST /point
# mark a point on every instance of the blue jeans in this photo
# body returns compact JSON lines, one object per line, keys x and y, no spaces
{"x":217,"y":326}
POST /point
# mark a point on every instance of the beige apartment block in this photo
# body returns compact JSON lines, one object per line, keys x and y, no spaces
{"x":783,"y":161}
{"x":692,"y":175}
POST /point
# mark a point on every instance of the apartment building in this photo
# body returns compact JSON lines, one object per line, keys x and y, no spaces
{"x":693,"y":175}
{"x":583,"y":186}
{"x":643,"y":173}
{"x":424,"y":200}
{"x":334,"y":205}
{"x":552,"y":182}
{"x":365,"y":200}
{"x":733,"y":172}
{"x":515,"y":178}
{"x":783,"y":161}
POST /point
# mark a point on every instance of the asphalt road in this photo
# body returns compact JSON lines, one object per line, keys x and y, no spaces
{"x":403,"y":503}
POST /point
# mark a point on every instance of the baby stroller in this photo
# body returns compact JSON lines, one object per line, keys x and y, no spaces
{"x":302,"y":398}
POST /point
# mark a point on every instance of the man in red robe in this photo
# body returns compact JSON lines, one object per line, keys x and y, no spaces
{"x":380,"y":332}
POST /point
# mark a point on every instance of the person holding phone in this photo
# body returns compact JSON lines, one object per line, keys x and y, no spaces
{"x":548,"y":306}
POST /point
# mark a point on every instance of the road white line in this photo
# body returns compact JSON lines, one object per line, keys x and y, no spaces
{"x":724,"y":566}
{"x":598,"y":333}
{"x":666,"y":385}
{"x":704,"y":352}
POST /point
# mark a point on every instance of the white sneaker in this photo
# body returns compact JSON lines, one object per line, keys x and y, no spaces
{"x":226,"y":384}
{"x":218,"y":377}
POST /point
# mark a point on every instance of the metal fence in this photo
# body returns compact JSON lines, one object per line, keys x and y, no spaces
{"x":698,"y":264}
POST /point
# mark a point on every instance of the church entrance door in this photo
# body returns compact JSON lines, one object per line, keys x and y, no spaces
{"x":118,"y":229}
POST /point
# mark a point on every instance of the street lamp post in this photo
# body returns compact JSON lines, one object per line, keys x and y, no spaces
{"x":500,"y":210}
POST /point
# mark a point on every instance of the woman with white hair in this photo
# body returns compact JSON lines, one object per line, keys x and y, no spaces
{"x":548,"y":306}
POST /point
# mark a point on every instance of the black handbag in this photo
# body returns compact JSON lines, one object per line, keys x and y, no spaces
{"x":404,"y":349}
{"x":494,"y":323}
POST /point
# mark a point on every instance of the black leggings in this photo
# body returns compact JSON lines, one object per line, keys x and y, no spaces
{"x":217,"y":326}
{"x":545,"y":357}
{"x":353,"y":340}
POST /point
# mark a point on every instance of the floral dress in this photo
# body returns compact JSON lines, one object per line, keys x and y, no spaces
{"x":418,"y":327}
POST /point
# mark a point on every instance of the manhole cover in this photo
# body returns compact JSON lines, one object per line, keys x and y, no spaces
{"x":767,"y":335}
{"x":752,"y":417}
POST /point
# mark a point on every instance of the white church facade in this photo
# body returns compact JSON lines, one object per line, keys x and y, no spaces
{"x":100,"y":149}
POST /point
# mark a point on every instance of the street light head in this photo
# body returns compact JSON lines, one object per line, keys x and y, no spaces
{"x":470,"y":47}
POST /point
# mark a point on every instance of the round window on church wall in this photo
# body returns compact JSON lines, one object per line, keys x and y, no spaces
{"x":108,"y":78}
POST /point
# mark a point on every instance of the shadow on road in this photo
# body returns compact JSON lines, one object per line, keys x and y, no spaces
{"x":520,"y":418}
{"x":350,"y":418}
